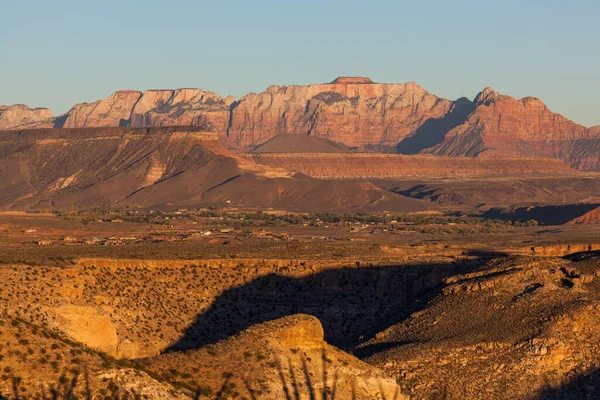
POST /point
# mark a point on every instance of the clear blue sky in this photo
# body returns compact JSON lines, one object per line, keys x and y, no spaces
{"x":57,"y":53}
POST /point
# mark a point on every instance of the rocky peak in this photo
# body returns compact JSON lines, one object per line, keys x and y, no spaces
{"x":486,"y":95}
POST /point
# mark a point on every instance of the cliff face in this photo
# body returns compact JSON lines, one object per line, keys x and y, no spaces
{"x":355,"y":114}
{"x":20,"y":116}
{"x":130,"y":108}
{"x":182,"y":107}
{"x":504,"y":126}
{"x":113,"y":111}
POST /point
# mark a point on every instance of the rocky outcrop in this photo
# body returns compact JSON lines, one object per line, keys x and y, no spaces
{"x":113,"y":111}
{"x":280,"y":357}
{"x":349,"y":110}
{"x":182,"y":107}
{"x":86,"y":325}
{"x":20,"y":116}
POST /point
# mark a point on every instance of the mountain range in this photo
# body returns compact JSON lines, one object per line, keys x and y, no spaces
{"x":361,"y":114}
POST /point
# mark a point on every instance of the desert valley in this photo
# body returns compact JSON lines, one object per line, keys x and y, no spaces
{"x":344,"y":240}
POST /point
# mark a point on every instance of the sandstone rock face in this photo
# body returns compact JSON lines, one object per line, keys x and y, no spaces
{"x":86,"y":325}
{"x":20,"y":116}
{"x":182,"y":107}
{"x":349,"y":110}
{"x":504,"y":126}
{"x":113,"y":111}
{"x":293,"y":331}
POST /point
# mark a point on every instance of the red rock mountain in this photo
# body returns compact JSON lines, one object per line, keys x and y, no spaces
{"x":355,"y":111}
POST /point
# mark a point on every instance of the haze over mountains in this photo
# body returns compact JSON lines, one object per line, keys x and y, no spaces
{"x":367,"y":116}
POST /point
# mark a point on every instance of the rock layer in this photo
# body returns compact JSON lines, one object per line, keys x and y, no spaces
{"x":397,"y":166}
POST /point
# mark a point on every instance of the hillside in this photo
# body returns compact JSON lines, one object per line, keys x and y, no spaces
{"x":286,"y":143}
{"x":162,"y":167}
{"x":519,"y":328}
{"x":35,"y":359}
{"x":269,"y":359}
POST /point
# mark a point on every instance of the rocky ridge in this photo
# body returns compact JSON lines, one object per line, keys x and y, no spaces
{"x":355,"y":111}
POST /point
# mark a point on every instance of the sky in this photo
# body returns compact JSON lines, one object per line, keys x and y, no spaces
{"x":58,"y":53}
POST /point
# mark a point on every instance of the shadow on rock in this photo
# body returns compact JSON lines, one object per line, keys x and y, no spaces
{"x":434,"y":130}
{"x":352,"y":303}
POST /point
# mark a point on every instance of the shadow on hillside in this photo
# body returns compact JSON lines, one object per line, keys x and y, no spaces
{"x":352,"y":303}
{"x":59,"y":122}
{"x":584,"y":386}
{"x":545,"y":215}
{"x":485,"y":254}
{"x":434,"y":130}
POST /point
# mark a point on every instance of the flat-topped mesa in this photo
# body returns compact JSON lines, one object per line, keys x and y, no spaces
{"x":352,"y":80}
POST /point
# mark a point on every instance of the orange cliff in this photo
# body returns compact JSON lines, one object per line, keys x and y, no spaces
{"x":353,"y":111}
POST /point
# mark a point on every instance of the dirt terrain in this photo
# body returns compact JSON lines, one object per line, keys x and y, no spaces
{"x":234,"y":304}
